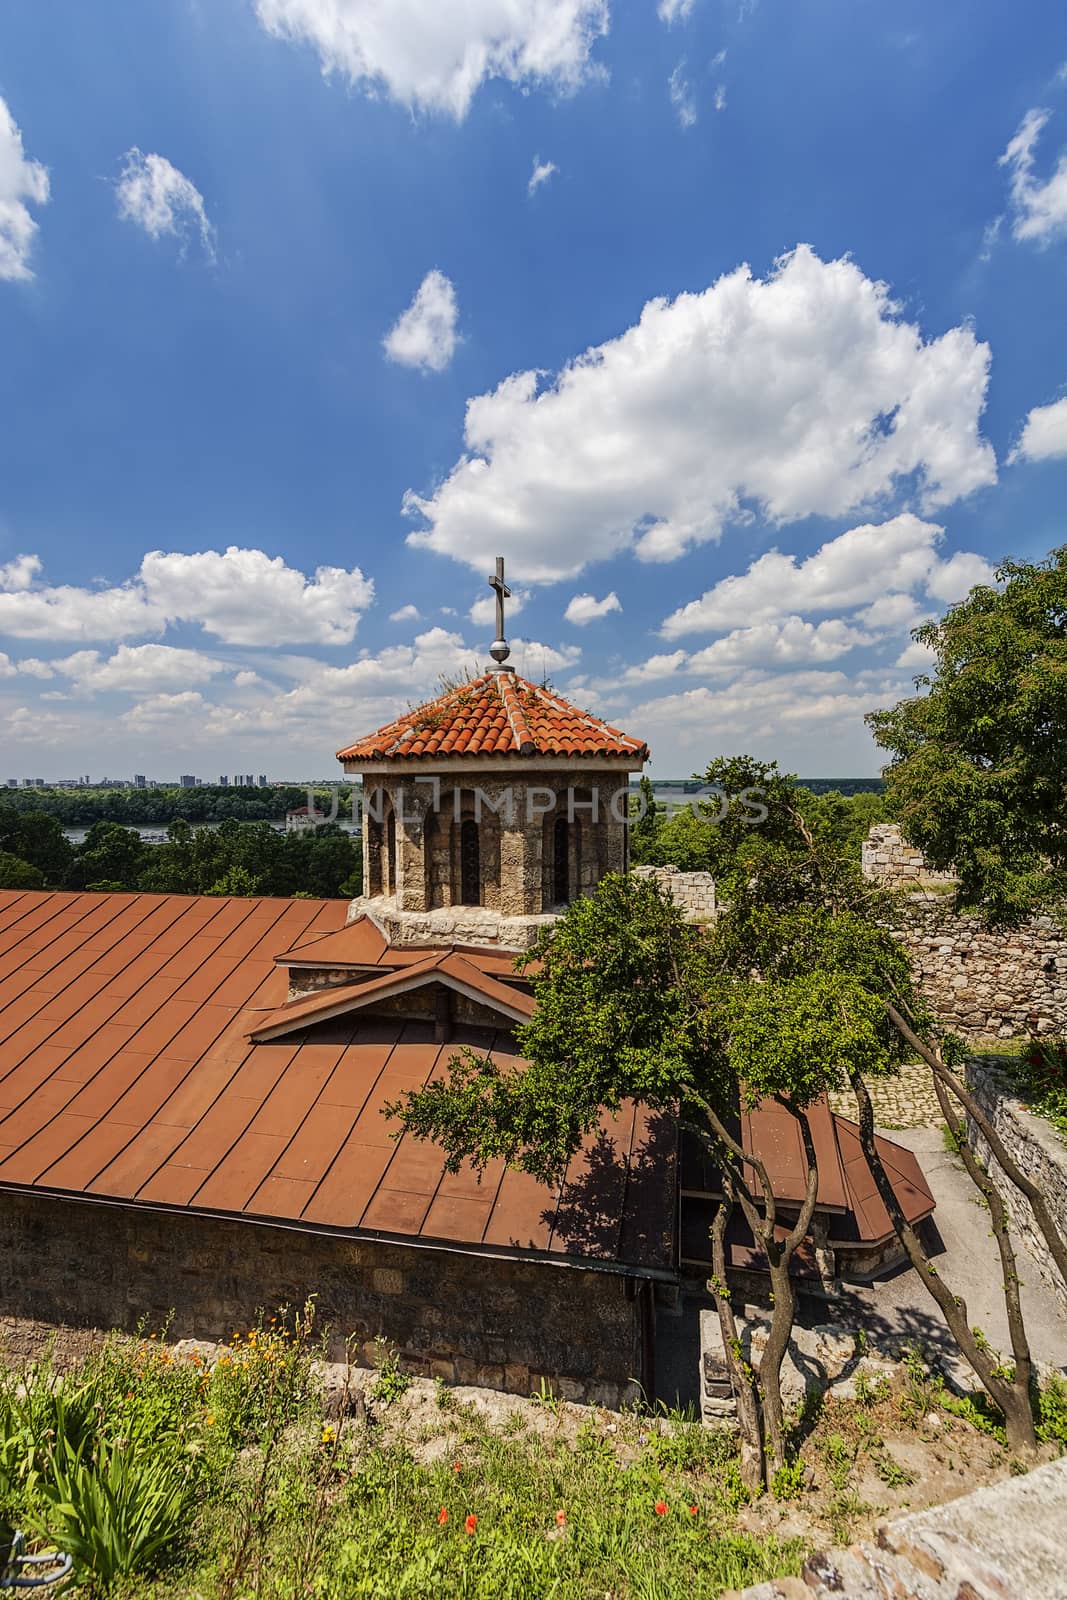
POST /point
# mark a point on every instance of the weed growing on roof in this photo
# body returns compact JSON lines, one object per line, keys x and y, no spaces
{"x":392,"y":1381}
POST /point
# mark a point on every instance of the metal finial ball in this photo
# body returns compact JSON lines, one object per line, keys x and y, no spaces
{"x":499,"y":650}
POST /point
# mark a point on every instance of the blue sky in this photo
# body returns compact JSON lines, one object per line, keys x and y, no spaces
{"x":768,"y":365}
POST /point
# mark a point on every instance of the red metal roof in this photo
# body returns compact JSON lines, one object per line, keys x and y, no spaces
{"x":498,"y":714}
{"x":127,"y":1074}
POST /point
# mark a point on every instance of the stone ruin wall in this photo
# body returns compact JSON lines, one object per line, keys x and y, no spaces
{"x":694,"y":892}
{"x":1038,"y":1150}
{"x":891,"y":862}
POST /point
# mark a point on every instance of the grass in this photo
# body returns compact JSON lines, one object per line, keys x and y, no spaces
{"x":1037,"y":1069}
{"x":179,"y":1479}
{"x":171,"y":1478}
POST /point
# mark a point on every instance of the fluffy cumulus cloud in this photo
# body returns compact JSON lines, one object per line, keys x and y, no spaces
{"x":408,"y":613}
{"x":132,"y":669}
{"x":542,"y":171}
{"x":1044,"y":434}
{"x":858,"y":569}
{"x":483,"y":611}
{"x":1039,"y":206}
{"x":434,"y":57}
{"x":154,"y":195}
{"x":804,"y":393}
{"x":425,"y":335}
{"x":239,"y":596}
{"x":583,"y":608}
{"x":23,"y":183}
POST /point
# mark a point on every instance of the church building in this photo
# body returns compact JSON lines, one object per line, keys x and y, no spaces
{"x":191,"y":1087}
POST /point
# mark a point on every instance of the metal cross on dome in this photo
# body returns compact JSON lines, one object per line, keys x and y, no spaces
{"x":500,"y":649}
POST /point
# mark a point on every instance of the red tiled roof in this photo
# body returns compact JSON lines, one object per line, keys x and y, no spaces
{"x":127,"y":1074}
{"x":498,"y":714}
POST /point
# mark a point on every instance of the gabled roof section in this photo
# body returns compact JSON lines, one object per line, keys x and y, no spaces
{"x":445,"y":967}
{"x":499,"y":714}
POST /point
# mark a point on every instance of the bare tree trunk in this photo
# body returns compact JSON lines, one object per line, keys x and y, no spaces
{"x":1012,"y":1171}
{"x":779,"y":1260}
{"x":742,"y":1378}
{"x":1019,"y":1424}
{"x":953,"y":1307}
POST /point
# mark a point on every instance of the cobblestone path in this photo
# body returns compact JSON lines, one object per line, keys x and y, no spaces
{"x":906,"y":1101}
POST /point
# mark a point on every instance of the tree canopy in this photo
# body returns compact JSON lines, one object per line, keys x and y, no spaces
{"x":978,"y":769}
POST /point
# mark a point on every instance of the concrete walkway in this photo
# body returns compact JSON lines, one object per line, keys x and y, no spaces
{"x":969,"y":1265}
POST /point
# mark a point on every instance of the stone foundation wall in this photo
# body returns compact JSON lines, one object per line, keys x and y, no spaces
{"x":986,"y":983}
{"x":693,"y":891}
{"x":500,"y":1324}
{"x":1041,"y":1154}
{"x":889,"y":861}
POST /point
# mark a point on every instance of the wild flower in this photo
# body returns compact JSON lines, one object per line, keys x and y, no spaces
{"x":442,"y":1516}
{"x":561,"y":1519}
{"x":471,"y":1522}
{"x":661,"y":1508}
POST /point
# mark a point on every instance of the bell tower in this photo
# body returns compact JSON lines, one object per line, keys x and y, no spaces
{"x":490,"y":808}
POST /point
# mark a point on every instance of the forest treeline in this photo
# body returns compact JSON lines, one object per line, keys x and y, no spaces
{"x":236,"y":858}
{"x":139,"y":808}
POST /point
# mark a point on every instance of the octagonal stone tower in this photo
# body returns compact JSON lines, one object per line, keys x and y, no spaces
{"x":487,"y":810}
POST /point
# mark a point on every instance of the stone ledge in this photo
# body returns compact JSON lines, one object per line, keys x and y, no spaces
{"x":449,"y":924}
{"x":1003,"y":1542}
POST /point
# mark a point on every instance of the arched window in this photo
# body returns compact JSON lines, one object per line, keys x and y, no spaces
{"x":561,"y":866}
{"x":390,"y":851}
{"x":470,"y":865}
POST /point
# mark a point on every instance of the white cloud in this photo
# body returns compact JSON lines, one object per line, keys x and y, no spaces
{"x":172,"y":714}
{"x":249,"y":680}
{"x":136,"y":669}
{"x":152,"y":193}
{"x":434,"y":57}
{"x":805,"y":393}
{"x":7,"y":666}
{"x":858,"y":568}
{"x":1044,"y":434}
{"x":670,"y":11}
{"x":720,"y":97}
{"x":483,"y":611}
{"x":719,"y":59}
{"x":682,"y":96}
{"x":754,"y":710}
{"x":583,"y":608}
{"x":22,"y":183}
{"x":542,"y":171}
{"x":239,"y":596}
{"x":406,"y":613}
{"x":1040,"y":208}
{"x":791,"y":642}
{"x":425,"y":335}
{"x":917,"y":657}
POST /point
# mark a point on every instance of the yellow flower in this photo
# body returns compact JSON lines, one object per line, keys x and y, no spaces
{"x":328,"y":1435}
{"x":208,"y":1421}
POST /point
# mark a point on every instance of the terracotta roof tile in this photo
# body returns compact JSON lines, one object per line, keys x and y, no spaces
{"x":498,"y":714}
{"x":126,"y":1073}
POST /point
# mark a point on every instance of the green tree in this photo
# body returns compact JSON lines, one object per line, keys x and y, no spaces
{"x":633,"y":1002}
{"x":110,"y":854}
{"x":35,"y":837}
{"x":18,"y":874}
{"x":978,"y":769}
{"x":644,"y":824}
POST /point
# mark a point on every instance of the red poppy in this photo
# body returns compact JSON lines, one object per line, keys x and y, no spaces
{"x":471,"y":1522}
{"x":442,"y":1516}
{"x":561,"y":1517}
{"x":456,"y":1467}
{"x":693,"y":1510}
{"x":662,"y":1508}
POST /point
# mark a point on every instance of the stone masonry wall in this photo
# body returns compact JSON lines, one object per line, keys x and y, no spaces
{"x":889,"y":861}
{"x":503,"y":1325}
{"x":693,"y":891}
{"x":1041,"y":1154}
{"x":986,"y":983}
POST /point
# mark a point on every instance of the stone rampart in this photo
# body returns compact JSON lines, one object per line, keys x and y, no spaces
{"x":890,"y":861}
{"x":694,"y":892}
{"x":986,"y":983}
{"x":1038,"y":1150}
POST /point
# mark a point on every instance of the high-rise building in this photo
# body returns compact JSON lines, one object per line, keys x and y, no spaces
{"x":262,"y":780}
{"x":12,"y":783}
{"x":187,"y":781}
{"x":140,"y":781}
{"x":224,"y":782}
